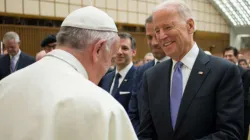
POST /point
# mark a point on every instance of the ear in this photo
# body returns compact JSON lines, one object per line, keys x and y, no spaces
{"x":190,"y":26}
{"x":133,"y":52}
{"x":97,"y":48}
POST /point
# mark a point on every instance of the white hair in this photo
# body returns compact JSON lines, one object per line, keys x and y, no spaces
{"x":149,"y":54}
{"x":208,"y":52}
{"x":81,"y":38}
{"x":183,"y":9}
{"x":11,"y":35}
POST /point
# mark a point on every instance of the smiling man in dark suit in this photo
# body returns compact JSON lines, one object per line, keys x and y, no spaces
{"x":119,"y":82}
{"x":193,"y":95}
{"x":15,"y":59}
{"x":159,"y":55}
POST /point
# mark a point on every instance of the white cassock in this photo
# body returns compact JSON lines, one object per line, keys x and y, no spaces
{"x":54,"y":100}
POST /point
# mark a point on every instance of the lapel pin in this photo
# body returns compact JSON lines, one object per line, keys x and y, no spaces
{"x":200,"y":72}
{"x":125,"y":80}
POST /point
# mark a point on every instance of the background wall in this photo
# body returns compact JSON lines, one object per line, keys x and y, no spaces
{"x":122,"y":11}
{"x":212,"y":30}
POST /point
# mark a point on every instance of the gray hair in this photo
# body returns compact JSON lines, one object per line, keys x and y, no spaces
{"x":78,"y":38}
{"x":11,"y":35}
{"x":149,"y":54}
{"x":183,"y":9}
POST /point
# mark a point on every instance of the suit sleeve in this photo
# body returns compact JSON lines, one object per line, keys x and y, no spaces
{"x":80,"y":119}
{"x":230,"y":107}
{"x":133,"y":111}
{"x":147,"y":129}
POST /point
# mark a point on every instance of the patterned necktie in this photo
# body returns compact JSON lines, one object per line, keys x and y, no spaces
{"x":176,"y":92}
{"x":12,"y":64}
{"x":116,"y":84}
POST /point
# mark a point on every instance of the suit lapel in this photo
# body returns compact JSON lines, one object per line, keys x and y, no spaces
{"x":108,"y":83}
{"x":198,"y":75}
{"x":164,"y":96}
{"x":19,"y":63}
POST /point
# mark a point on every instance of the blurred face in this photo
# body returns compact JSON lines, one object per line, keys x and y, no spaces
{"x":243,"y":64}
{"x":148,"y":58}
{"x":12,"y":47}
{"x":125,"y":53}
{"x":229,"y":55}
{"x":49,"y":47}
{"x":153,"y":43}
{"x":174,"y":34}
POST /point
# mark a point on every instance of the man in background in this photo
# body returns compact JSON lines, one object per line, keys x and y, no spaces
{"x":231,"y":54}
{"x":119,"y":82}
{"x":159,"y":55}
{"x":15,"y":59}
{"x":193,"y":95}
{"x":58,"y":98}
{"x":49,"y":43}
{"x":148,"y":57}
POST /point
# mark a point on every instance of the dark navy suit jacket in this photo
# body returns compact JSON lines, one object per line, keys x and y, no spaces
{"x":123,"y":93}
{"x":212,"y":106}
{"x":134,"y":103}
{"x":23,"y":61}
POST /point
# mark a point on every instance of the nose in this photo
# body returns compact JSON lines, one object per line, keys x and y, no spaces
{"x":154,"y":41}
{"x":162,"y":35}
{"x":119,"y":51}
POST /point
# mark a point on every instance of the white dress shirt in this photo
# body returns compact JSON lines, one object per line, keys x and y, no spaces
{"x":188,"y":63}
{"x":123,"y":73}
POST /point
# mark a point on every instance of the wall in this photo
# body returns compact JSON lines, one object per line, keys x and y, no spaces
{"x":210,"y":24}
{"x":122,"y":11}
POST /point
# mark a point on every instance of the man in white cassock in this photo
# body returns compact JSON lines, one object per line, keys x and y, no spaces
{"x":57,"y":98}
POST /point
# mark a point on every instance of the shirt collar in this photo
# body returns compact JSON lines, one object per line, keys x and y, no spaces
{"x":70,"y":59}
{"x":125,"y":70}
{"x":189,"y":59}
{"x":163,"y":59}
{"x":17,"y":55}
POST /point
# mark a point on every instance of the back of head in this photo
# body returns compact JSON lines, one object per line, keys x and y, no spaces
{"x":49,"y":39}
{"x":80,"y":28}
{"x":88,"y":34}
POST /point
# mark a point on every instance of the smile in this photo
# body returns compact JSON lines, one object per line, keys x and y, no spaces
{"x":167,"y":44}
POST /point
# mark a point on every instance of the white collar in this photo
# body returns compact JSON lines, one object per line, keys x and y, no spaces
{"x":189,"y":59}
{"x":17,"y":55}
{"x":125,"y":70}
{"x":70,"y":59}
{"x":163,"y":59}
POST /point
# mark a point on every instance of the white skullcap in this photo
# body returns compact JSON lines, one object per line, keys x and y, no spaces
{"x":90,"y":18}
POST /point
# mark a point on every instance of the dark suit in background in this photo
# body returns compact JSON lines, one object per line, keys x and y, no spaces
{"x":245,"y":75}
{"x":211,"y":107}
{"x":123,"y":93}
{"x":133,"y":110}
{"x":23,"y":61}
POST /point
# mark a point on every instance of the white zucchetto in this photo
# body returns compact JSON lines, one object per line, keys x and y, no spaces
{"x":90,"y":18}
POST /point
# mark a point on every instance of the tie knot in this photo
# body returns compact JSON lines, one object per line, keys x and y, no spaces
{"x":178,"y":65}
{"x":158,"y":62}
{"x":118,"y":75}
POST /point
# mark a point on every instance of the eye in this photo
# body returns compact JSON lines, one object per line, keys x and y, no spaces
{"x":168,"y":27}
{"x":157,"y":31}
